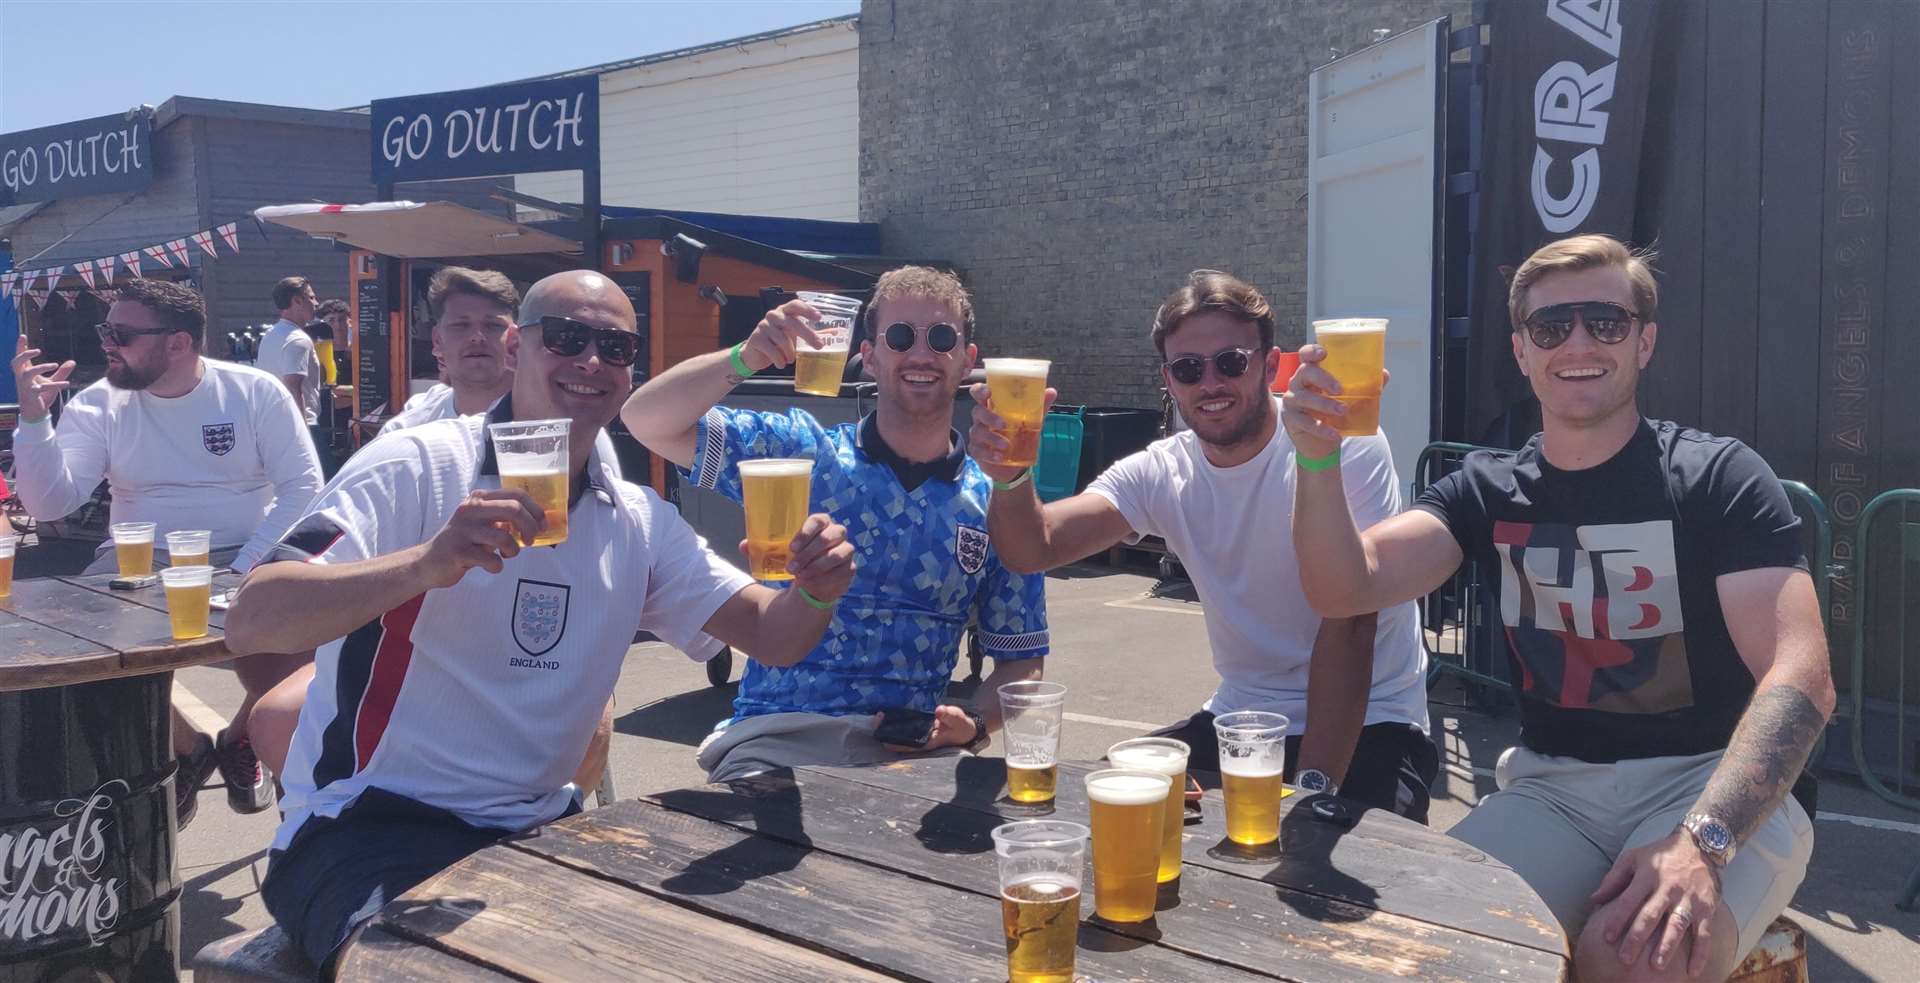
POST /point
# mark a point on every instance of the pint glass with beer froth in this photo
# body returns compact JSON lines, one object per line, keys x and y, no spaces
{"x":1129,"y":812}
{"x":1030,"y":714}
{"x":1168,"y":757}
{"x":775,"y":492}
{"x":133,"y":547}
{"x":1253,"y":755}
{"x":189,"y":547}
{"x":1018,"y":387}
{"x":817,"y":371}
{"x":189,"y":593}
{"x":1040,"y":868}
{"x":1357,"y":359}
{"x":535,"y":457}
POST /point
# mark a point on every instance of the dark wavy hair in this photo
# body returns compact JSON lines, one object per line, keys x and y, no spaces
{"x":1212,"y":290}
{"x":178,"y":307}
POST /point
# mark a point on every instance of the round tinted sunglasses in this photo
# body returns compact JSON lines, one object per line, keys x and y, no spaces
{"x":941,"y":337}
{"x":567,"y":337}
{"x":1231,"y":363}
{"x":1607,"y":322}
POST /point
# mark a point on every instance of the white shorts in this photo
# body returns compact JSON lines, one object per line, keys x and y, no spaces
{"x":1560,"y":822}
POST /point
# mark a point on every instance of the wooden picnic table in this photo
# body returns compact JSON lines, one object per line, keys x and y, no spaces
{"x":888,"y":872}
{"x":86,"y":778}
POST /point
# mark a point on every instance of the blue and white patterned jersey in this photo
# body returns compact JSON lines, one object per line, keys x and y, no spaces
{"x":924,"y":567}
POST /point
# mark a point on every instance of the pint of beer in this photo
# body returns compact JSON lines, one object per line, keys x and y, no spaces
{"x":1018,"y":387}
{"x":817,"y":371}
{"x":7,"y":544}
{"x":775,"y":492}
{"x":1129,"y":813}
{"x":189,"y":589}
{"x":1253,"y":754}
{"x":1168,"y":757}
{"x":189,"y":548}
{"x":133,"y":547}
{"x":1030,"y":714}
{"x":1040,"y":868}
{"x":1357,"y":359}
{"x":534,"y":457}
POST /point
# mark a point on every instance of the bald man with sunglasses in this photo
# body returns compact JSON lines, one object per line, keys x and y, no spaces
{"x":1352,"y":688}
{"x":913,"y":504}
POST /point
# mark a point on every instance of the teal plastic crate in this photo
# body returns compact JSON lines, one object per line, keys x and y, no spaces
{"x":1057,"y":472}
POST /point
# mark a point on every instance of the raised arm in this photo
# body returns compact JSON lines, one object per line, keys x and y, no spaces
{"x":779,"y":627}
{"x":665,"y":413}
{"x":1031,"y":537}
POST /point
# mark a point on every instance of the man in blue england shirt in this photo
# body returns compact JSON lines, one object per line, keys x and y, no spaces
{"x":915,"y":508}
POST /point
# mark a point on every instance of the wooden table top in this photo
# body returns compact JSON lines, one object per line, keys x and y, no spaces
{"x":888,"y":872}
{"x":58,"y":631}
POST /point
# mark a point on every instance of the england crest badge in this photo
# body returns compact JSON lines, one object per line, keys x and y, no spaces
{"x":539,"y":616}
{"x":217,"y":438}
{"x":970,"y":548}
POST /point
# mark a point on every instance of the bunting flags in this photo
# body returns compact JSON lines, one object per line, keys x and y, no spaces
{"x":106,"y":269}
{"x":132,"y":260}
{"x":98,"y":274}
{"x":204,"y":239}
{"x":53,"y":276}
{"x":72,"y":297}
{"x":6,"y":285}
{"x":39,"y":298}
{"x":159,"y":255}
{"x":231,"y":233}
{"x":85,"y":270}
{"x":178,"y":248}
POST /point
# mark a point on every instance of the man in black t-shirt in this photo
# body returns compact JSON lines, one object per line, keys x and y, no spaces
{"x":1662,"y":629}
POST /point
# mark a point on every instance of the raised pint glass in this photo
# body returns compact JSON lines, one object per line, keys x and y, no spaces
{"x":189,"y":548}
{"x":534,"y":457}
{"x":775,"y":492}
{"x":1041,"y":862}
{"x":1030,"y":713}
{"x":133,"y":547}
{"x":189,"y":590}
{"x":1129,"y":811}
{"x":1019,"y":390}
{"x":817,"y":371}
{"x":1253,"y":755}
{"x":1168,"y":757}
{"x":1357,"y":359}
{"x":7,"y":543}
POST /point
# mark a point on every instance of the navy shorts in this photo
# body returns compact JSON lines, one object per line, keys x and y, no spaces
{"x":340,"y":871}
{"x":1394,"y":765}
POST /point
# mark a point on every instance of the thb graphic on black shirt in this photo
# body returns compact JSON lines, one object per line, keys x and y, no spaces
{"x":1606,"y":579}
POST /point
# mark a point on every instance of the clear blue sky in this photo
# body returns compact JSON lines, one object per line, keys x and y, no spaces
{"x":71,"y":59}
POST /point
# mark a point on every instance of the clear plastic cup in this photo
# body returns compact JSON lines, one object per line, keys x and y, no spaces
{"x":1041,"y":865}
{"x":1357,"y":359}
{"x":7,"y":544}
{"x":818,"y":370}
{"x":774,"y":493}
{"x":133,"y":547}
{"x":189,"y":548}
{"x":1030,"y":725}
{"x":534,"y":456}
{"x":189,"y":593}
{"x":1253,"y":756}
{"x":1018,"y":387}
{"x":1128,"y":817}
{"x":1168,"y":757}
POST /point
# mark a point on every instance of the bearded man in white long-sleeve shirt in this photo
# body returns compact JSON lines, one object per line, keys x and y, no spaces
{"x":184,"y":442}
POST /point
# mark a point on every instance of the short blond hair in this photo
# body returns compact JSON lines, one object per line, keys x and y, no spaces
{"x":1586,"y":252}
{"x":921,"y":281}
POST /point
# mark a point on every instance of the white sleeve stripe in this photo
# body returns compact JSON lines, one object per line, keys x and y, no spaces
{"x":713,"y":450}
{"x":1013,"y":643}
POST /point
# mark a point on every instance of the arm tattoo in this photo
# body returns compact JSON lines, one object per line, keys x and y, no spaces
{"x":1769,"y":748}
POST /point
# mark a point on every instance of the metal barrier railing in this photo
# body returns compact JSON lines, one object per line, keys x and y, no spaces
{"x":1907,"y":552}
{"x":1451,"y":616}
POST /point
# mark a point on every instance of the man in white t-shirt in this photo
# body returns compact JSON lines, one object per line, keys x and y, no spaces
{"x":184,"y":442}
{"x":451,"y":704}
{"x":1353,"y":689}
{"x":287,"y":351}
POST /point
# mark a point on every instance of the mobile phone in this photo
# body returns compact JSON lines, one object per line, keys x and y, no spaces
{"x":904,"y":728}
{"x":133,"y":583}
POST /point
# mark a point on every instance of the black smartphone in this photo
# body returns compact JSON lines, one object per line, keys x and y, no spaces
{"x":904,"y":728}
{"x":133,"y":583}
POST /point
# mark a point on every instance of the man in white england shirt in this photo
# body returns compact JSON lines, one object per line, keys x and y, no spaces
{"x":187,"y":443}
{"x":287,"y":351}
{"x":450,"y":704}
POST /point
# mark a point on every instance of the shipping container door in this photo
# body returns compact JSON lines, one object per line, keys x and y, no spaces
{"x":1375,"y":157}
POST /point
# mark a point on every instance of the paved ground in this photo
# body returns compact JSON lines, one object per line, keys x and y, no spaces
{"x":1130,"y":660}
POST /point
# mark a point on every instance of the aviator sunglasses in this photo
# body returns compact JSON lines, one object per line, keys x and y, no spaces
{"x":1607,"y":322}
{"x":941,"y":337}
{"x":1232,"y":363}
{"x":567,"y":337}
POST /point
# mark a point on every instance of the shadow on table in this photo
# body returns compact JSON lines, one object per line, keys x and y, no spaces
{"x":1306,"y":857}
{"x":950,"y":826}
{"x":770,"y":803}
{"x":1097,"y":935}
{"x":684,"y":718}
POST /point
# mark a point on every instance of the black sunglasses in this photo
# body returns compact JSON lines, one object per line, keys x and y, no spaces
{"x":941,"y":337}
{"x":1607,"y":322}
{"x":1232,"y":363}
{"x":120,"y":335}
{"x":567,"y":337}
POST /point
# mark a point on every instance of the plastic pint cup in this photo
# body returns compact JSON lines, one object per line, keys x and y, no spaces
{"x":7,"y":544}
{"x":1253,"y":756}
{"x":1019,"y":390}
{"x":1041,"y":863}
{"x":818,"y":371}
{"x":775,"y":492}
{"x":1168,"y":757}
{"x":1031,"y":711}
{"x":534,"y":457}
{"x":189,"y":590}
{"x":133,"y":547}
{"x":1129,"y":813}
{"x":1357,"y":359}
{"x":189,"y":548}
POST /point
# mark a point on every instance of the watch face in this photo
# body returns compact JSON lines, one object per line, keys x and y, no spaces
{"x":1313,"y":781}
{"x":1716,"y":836}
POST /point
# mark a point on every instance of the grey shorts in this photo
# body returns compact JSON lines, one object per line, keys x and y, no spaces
{"x":1560,"y":822}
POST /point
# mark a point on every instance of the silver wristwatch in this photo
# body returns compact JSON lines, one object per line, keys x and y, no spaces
{"x":1713,"y":837}
{"x":1315,"y":780}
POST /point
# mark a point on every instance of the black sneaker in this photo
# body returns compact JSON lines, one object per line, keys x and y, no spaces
{"x":192,"y":773}
{"x":248,"y":790}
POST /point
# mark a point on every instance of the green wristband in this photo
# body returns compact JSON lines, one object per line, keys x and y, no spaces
{"x":999,"y":485}
{"x":814,"y":602}
{"x":1317,"y":463}
{"x":739,"y":367}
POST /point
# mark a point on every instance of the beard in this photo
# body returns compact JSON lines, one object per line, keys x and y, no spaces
{"x":1234,"y":432}
{"x":133,"y":378}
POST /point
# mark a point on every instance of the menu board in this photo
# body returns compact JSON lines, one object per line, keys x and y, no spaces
{"x":373,"y":351}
